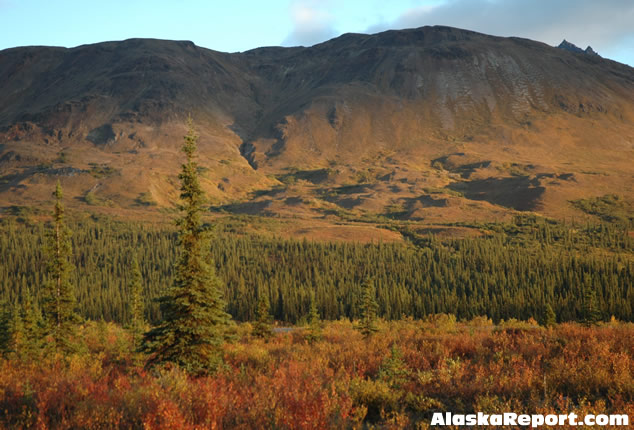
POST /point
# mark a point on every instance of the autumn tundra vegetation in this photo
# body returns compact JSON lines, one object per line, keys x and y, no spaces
{"x":534,"y":318}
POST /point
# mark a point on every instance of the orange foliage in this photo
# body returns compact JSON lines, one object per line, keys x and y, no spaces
{"x":395,"y":379}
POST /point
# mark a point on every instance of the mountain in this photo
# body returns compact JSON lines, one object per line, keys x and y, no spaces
{"x":571,"y":47}
{"x":432,"y":125}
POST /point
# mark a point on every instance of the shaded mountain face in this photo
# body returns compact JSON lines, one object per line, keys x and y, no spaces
{"x":435,"y":124}
{"x":571,"y":47}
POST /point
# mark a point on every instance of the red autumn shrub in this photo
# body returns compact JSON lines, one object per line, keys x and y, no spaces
{"x":395,"y":379}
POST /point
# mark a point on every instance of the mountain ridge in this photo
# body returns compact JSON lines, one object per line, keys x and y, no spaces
{"x":359,"y":107}
{"x":571,"y":47}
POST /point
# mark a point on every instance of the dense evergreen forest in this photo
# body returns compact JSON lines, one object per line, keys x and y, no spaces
{"x":514,"y":271}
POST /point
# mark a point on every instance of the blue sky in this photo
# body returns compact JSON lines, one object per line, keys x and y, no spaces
{"x":238,"y":25}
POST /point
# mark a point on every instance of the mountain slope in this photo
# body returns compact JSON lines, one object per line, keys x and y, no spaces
{"x":435,"y":124}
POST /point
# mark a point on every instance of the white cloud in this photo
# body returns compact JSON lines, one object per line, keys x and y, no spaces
{"x":312,"y":23}
{"x":400,"y":23}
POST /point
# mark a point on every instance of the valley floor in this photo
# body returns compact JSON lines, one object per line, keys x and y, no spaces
{"x":396,"y":378}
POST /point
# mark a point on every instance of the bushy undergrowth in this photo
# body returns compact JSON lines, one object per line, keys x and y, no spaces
{"x":394,"y":379}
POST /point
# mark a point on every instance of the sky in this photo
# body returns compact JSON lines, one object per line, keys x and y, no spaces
{"x":240,"y":25}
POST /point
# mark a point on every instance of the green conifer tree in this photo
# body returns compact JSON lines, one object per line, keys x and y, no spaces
{"x":5,"y":328}
{"x":59,"y":299}
{"x":137,"y":308}
{"x":550,"y":318}
{"x":262,"y":326}
{"x":16,"y":332}
{"x":369,"y":309}
{"x":394,"y":370}
{"x":591,"y":310}
{"x":32,"y":327}
{"x":314,"y":321}
{"x":194,"y":320}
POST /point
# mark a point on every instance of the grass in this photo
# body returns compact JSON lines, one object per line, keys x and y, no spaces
{"x":103,"y":170}
{"x":514,"y":169}
{"x":610,"y":208}
{"x":92,"y":199}
{"x":293,"y":175}
{"x":435,"y":190}
{"x":62,"y":157}
{"x":146,"y":199}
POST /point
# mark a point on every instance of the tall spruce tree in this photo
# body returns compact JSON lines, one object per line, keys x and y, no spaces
{"x":32,"y":326}
{"x":194,"y":320}
{"x":369,"y":309}
{"x":314,"y":321}
{"x":16,"y":331}
{"x":25,"y":330}
{"x":59,"y":304}
{"x":262,"y":326}
{"x":591,"y":310}
{"x":137,"y":308}
{"x":6,"y":328}
{"x":550,"y":318}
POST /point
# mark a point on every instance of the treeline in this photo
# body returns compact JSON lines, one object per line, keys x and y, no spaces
{"x":515,"y":272}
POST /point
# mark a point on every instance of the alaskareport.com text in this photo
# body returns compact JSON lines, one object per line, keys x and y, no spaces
{"x":534,"y":421}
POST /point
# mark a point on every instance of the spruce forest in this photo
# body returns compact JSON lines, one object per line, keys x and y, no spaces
{"x":514,"y":272}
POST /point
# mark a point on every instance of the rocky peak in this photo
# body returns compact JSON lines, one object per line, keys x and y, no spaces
{"x":571,"y":47}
